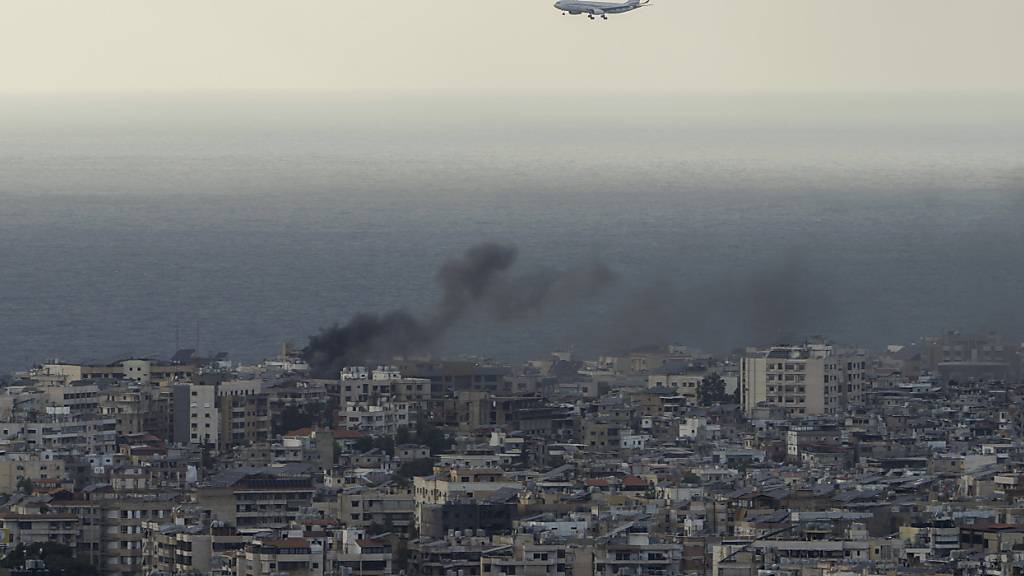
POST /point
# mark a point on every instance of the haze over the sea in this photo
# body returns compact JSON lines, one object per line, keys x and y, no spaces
{"x":127,"y":221}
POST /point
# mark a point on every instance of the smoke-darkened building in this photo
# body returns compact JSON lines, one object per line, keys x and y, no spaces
{"x":490,"y":517}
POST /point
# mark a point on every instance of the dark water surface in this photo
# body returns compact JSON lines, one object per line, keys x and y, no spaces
{"x":126,"y":224}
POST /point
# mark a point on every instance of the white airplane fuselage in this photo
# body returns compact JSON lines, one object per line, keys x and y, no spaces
{"x":602,"y":9}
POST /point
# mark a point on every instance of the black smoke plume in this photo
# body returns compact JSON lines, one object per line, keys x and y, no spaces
{"x":478,"y":278}
{"x":468,"y":279}
{"x":365,"y":336}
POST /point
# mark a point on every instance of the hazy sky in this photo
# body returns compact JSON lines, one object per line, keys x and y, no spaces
{"x":509,"y":45}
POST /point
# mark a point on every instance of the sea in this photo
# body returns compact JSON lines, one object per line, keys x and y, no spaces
{"x":135,"y":225}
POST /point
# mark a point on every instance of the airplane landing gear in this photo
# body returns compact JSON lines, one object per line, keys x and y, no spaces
{"x":604,"y":16}
{"x":591,"y":16}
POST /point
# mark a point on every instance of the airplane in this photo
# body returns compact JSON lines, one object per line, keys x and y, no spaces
{"x":602,"y":9}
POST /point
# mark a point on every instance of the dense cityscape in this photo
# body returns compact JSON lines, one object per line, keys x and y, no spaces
{"x":509,"y":288}
{"x":807,"y":459}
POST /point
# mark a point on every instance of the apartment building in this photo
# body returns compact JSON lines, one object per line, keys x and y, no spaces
{"x":142,"y":370}
{"x":602,"y":434}
{"x":135,"y":409}
{"x":269,"y":557}
{"x":380,"y":418}
{"x":60,"y":432}
{"x":802,"y":380}
{"x":222,"y":415}
{"x":637,"y":554}
{"x":465,"y":500}
{"x":78,"y":397}
{"x":244,"y":420}
{"x":18,"y":529}
{"x":357,"y":554}
{"x":357,"y":384}
{"x":477,"y":409}
{"x":392,"y":507}
{"x":111,"y":534}
{"x":685,"y":384}
{"x":457,"y":553}
{"x":962,"y":356}
{"x":527,"y":559}
{"x":36,"y":467}
{"x":269,"y":497}
{"x":187,"y":548}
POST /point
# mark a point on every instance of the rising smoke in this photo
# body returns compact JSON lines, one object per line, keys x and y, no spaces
{"x":780,"y":302}
{"x":478,"y":279}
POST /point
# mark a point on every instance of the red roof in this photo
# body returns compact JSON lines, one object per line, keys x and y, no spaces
{"x":597,"y":482}
{"x":301,"y":432}
{"x":370,"y":543}
{"x":633,"y":481}
{"x":343,"y":434}
{"x":144,"y":438}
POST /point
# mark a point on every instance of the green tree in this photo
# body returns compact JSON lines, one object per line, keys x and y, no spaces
{"x":385,"y":444}
{"x":401,"y":553}
{"x":296,"y":416}
{"x":711,"y":390}
{"x":26,"y":486}
{"x":402,"y":436}
{"x":59,"y":559}
{"x":206,"y":457}
{"x":433,"y":437}
{"x":421,"y":467}
{"x":690,"y":478}
{"x":364,"y":444}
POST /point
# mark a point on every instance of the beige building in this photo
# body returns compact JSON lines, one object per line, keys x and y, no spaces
{"x":460,"y":487}
{"x":355,"y":554}
{"x":292,"y":556}
{"x":603,"y":435}
{"x":360,"y":387}
{"x":244,"y":420}
{"x":111,"y":534}
{"x":36,"y":467}
{"x":527,"y":559}
{"x":258,"y":497}
{"x":391,"y":507}
{"x":58,"y":430}
{"x":38,"y":528}
{"x":802,"y":380}
{"x":142,"y":370}
{"x":686,"y":385}
{"x":79,"y":398}
{"x":182,"y":549}
{"x":638,"y":554}
{"x":221,"y":415}
{"x":135,"y":409}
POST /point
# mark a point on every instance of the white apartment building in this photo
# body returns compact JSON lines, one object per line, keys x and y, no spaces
{"x":382,"y":419}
